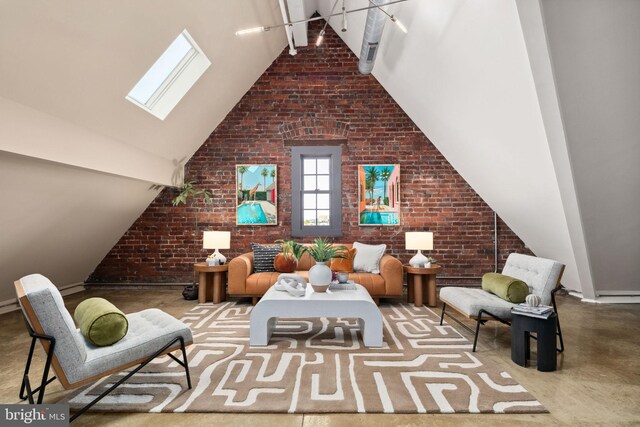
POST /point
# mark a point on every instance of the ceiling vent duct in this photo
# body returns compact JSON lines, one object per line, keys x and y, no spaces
{"x":372,"y":35}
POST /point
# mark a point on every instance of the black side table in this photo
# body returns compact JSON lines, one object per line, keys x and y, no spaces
{"x":521,"y":327}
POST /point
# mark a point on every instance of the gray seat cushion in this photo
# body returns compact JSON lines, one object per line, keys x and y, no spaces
{"x":149,"y":331}
{"x":470,"y":300}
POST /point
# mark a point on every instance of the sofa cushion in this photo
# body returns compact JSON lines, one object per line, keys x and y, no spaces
{"x":344,"y":264}
{"x":264,"y":256}
{"x":259,"y":283}
{"x":374,"y":283}
{"x":368,"y":257}
{"x":470,"y":300}
{"x":506,"y":287}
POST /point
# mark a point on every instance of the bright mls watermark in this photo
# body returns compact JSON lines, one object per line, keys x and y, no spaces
{"x":34,"y":415}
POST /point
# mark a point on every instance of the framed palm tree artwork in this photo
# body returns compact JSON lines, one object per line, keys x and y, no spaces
{"x":256,"y":194}
{"x":379,"y":195}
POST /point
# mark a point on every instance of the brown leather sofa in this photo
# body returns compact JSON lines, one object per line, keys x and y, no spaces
{"x":243,"y":282}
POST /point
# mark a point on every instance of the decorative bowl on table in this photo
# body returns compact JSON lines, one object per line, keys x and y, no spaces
{"x":320,"y":288}
{"x":342,"y":277}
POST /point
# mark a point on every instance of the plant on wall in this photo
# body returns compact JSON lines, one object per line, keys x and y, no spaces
{"x":189,"y":190}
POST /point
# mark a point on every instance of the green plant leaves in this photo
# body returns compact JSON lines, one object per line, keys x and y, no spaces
{"x":188,"y":190}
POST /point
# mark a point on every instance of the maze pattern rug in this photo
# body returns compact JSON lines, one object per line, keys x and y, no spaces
{"x":319,"y":366}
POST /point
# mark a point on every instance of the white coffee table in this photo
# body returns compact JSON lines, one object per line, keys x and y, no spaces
{"x":340,"y":303}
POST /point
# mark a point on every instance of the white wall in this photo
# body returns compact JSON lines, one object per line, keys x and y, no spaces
{"x":77,"y":160}
{"x":595,"y":52}
{"x":59,"y":220}
{"x":463,"y":75}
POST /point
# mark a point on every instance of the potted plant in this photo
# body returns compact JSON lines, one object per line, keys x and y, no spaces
{"x":322,"y":251}
{"x":287,"y":260}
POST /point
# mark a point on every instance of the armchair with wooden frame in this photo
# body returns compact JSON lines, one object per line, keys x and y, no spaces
{"x":75,"y":360}
{"x":540,"y":274}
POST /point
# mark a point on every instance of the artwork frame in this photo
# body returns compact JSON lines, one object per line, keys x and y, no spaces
{"x":255,"y":206}
{"x":379,"y":205}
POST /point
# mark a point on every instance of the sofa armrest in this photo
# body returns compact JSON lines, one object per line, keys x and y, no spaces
{"x":240,"y":268}
{"x":391,"y":271}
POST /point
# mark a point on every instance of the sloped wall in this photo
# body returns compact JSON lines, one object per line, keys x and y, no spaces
{"x":316,"y":97}
{"x":464,"y":76}
{"x":596,"y":61}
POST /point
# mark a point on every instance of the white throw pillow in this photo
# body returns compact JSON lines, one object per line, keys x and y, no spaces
{"x":368,"y":257}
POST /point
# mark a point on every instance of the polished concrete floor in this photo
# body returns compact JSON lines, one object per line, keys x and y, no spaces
{"x":597,"y":383}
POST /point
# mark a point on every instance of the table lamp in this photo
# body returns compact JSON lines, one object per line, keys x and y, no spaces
{"x":216,"y":240}
{"x":419,"y":240}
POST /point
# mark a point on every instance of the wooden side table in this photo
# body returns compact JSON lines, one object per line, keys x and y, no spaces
{"x":212,"y":282}
{"x":415,"y":284}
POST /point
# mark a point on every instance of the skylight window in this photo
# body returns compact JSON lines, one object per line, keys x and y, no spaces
{"x":170,"y":77}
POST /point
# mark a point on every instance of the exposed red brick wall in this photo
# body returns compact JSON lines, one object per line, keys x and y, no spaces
{"x":315,"y":97}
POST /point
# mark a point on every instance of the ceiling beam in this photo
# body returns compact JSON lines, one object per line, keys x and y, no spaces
{"x":29,"y":132}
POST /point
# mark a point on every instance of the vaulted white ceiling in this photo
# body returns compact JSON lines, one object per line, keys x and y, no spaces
{"x":479,"y":78}
{"x":77,"y":160}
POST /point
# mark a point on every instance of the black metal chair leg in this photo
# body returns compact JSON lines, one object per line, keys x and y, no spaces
{"x":25,"y":376}
{"x":444,"y":306}
{"x":186,"y":363}
{"x":26,"y":384}
{"x":130,"y":374}
{"x":45,"y":374}
{"x":479,"y":322}
{"x":555,"y":309}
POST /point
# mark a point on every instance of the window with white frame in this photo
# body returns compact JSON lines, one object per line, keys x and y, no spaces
{"x":170,"y":77}
{"x":316,"y":191}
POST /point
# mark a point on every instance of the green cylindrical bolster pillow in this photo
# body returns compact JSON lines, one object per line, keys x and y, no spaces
{"x":100,"y":321}
{"x":506,"y":287}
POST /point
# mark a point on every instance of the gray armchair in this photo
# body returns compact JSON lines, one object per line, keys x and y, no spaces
{"x":75,"y":360}
{"x":540,"y":274}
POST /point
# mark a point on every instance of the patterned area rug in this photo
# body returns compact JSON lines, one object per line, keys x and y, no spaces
{"x":316,"y":366}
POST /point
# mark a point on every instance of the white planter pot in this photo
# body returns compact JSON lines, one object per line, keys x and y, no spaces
{"x":320,"y":274}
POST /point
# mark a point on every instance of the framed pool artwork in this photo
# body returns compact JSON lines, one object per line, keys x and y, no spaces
{"x":379,"y":195}
{"x":256,"y":195}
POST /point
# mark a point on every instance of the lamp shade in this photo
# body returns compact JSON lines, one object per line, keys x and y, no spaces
{"x":216,"y":240}
{"x":419,"y":240}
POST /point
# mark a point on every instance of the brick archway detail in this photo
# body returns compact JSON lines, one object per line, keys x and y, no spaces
{"x":312,"y":128}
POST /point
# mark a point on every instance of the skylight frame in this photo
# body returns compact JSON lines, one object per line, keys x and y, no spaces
{"x":178,"y":81}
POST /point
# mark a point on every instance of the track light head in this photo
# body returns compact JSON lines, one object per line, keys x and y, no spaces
{"x":344,"y":18}
{"x":320,"y":38}
{"x":252,"y":30}
{"x":399,"y":24}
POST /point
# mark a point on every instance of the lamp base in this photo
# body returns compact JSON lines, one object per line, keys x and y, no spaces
{"x":419,"y":260}
{"x":216,"y":258}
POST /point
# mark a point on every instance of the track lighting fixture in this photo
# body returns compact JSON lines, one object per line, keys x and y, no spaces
{"x":324,"y":28}
{"x":252,"y":30}
{"x":344,"y":18}
{"x":399,"y":24}
{"x":393,"y":18}
{"x":343,"y":13}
